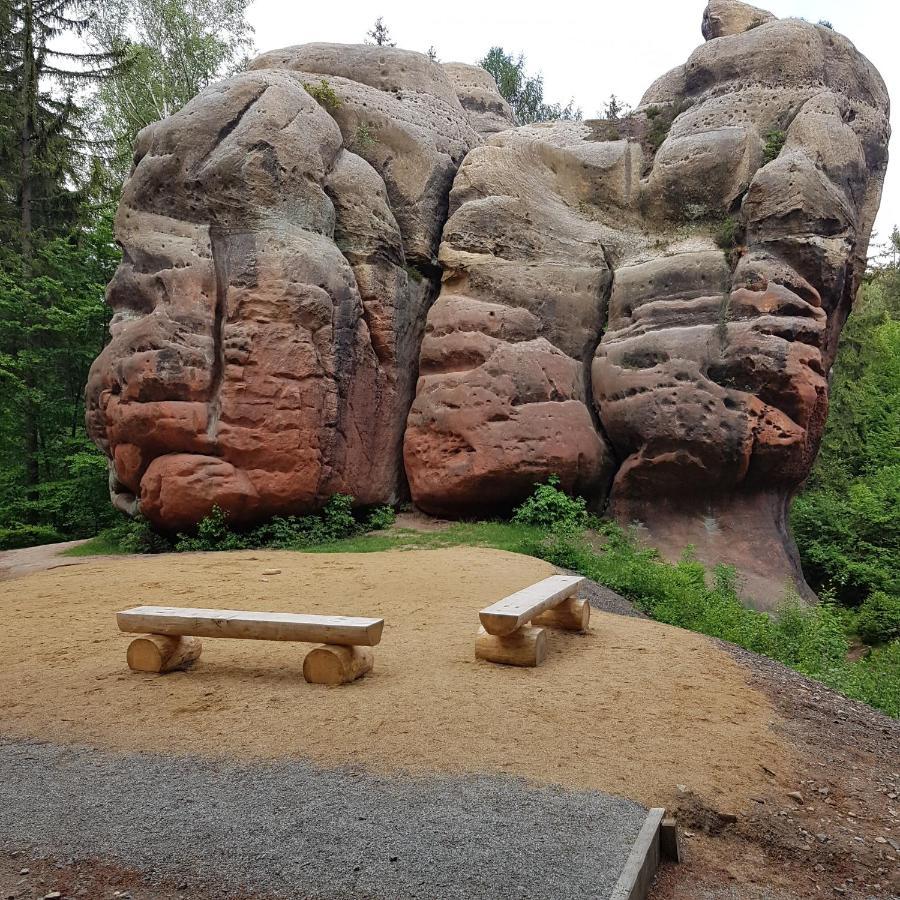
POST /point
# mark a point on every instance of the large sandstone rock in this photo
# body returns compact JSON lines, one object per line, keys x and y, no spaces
{"x":477,"y":91}
{"x":278,"y":259}
{"x":647,"y":307}
{"x":713,"y":242}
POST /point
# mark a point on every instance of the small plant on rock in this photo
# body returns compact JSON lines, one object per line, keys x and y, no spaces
{"x":728,"y":234}
{"x":774,"y":142}
{"x":324,"y":94}
{"x":366,"y":137}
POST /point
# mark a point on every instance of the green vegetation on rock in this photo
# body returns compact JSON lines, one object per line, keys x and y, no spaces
{"x":323,"y":93}
{"x":774,"y":142}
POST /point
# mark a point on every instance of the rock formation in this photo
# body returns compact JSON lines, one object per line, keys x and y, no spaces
{"x":646,"y":307}
{"x":279,"y":240}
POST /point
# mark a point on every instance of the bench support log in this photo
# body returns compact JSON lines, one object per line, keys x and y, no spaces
{"x":525,"y":647}
{"x":571,"y":614}
{"x":337,"y":664}
{"x":162,"y":653}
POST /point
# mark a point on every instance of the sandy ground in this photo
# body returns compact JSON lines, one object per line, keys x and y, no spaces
{"x":634,"y":708}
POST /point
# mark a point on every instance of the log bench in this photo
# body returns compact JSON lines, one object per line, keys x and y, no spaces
{"x":505,"y":637}
{"x":170,"y":638}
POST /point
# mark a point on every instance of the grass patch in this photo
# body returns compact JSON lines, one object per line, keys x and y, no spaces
{"x":103,"y":544}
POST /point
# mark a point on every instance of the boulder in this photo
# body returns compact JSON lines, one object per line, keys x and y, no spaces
{"x":276,"y":270}
{"x":713,"y":242}
{"x":477,"y":91}
{"x":345,"y":269}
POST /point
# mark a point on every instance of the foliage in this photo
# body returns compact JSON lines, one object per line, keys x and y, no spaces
{"x":171,"y":50}
{"x":826,"y":24}
{"x":335,"y":521}
{"x":380,"y":34}
{"x":551,"y":509}
{"x":614,"y":108}
{"x":846,"y":521}
{"x":27,"y":536}
{"x":324,"y":94}
{"x":728,"y":233}
{"x":660,"y":121}
{"x":523,"y":92}
{"x":365,"y":138}
{"x":52,"y":325}
{"x":879,"y":618}
{"x":774,"y":142}
{"x":432,"y":54}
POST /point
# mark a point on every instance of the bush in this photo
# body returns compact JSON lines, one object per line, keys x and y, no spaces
{"x":551,"y":509}
{"x":774,"y":142}
{"x":323,"y":93}
{"x":812,"y":640}
{"x":366,"y":137}
{"x":379,"y":518}
{"x":878,"y":620}
{"x":19,"y":536}
{"x":727,"y":234}
{"x":334,"y":522}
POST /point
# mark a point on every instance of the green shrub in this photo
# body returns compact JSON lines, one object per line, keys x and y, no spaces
{"x":728,"y":233}
{"x":774,"y":142}
{"x":19,"y":536}
{"x":335,"y":521}
{"x":366,"y":137}
{"x":812,"y":640}
{"x":379,"y":518}
{"x":551,"y":509}
{"x":878,"y":620}
{"x":323,"y":93}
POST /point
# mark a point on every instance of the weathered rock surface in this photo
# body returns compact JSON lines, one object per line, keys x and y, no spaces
{"x":646,"y":307}
{"x":476,"y":89}
{"x":278,"y":260}
{"x":727,"y":222}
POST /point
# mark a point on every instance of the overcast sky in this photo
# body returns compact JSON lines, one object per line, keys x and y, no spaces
{"x":585,"y":50}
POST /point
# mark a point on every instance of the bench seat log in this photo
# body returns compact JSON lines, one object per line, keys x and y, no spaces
{"x":262,"y":626}
{"x":510,"y":613}
{"x":337,"y":664}
{"x":162,"y":653}
{"x":572,"y":614}
{"x":525,"y":647}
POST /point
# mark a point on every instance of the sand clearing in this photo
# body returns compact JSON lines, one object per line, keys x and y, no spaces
{"x":633,"y":708}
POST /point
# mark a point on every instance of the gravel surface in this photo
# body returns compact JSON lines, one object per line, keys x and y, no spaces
{"x":606,"y":600}
{"x":289,"y":829}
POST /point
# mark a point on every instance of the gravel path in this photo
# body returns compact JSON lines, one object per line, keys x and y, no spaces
{"x":290,"y":830}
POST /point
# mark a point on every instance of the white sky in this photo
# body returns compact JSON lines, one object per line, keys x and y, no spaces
{"x":585,"y":50}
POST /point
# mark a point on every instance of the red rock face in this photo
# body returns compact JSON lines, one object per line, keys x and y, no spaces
{"x":267,"y":315}
{"x":647,"y":307}
{"x":710,"y":358}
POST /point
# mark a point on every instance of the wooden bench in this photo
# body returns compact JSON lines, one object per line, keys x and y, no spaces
{"x":505,"y":637}
{"x":169,"y":638}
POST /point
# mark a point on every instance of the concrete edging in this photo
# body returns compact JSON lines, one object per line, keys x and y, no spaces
{"x":643,"y":861}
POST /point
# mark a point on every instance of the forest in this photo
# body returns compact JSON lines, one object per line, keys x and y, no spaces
{"x":80,"y":79}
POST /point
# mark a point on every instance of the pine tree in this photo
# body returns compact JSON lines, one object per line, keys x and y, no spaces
{"x":380,"y":34}
{"x":42,"y":162}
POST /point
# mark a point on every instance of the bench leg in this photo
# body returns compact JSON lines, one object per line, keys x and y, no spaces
{"x":162,"y":653}
{"x":572,"y":615}
{"x":525,"y":647}
{"x":336,"y":664}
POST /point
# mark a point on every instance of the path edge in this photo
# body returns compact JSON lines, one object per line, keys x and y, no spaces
{"x":643,"y":861}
